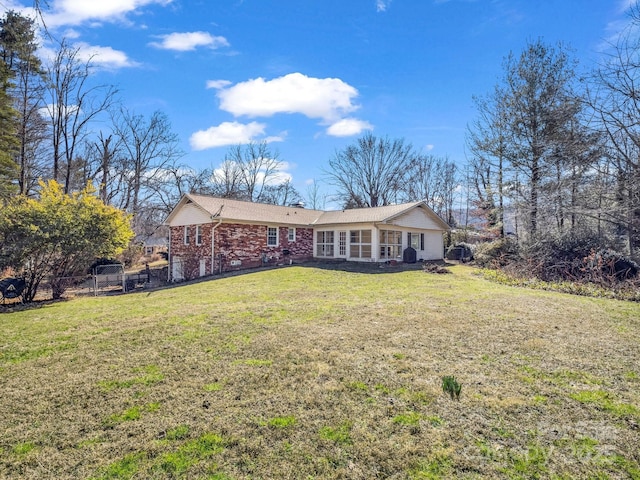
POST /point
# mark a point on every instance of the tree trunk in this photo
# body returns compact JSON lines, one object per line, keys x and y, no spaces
{"x":533,"y":208}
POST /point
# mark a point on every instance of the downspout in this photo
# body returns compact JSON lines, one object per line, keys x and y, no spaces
{"x":213,"y":257}
{"x":169,"y":257}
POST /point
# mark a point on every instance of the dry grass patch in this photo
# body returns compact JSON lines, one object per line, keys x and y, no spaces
{"x":312,"y":373}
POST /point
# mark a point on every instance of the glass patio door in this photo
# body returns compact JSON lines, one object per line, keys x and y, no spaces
{"x":342,"y":244}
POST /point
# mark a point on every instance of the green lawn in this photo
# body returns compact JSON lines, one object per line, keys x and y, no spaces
{"x":303,"y":372}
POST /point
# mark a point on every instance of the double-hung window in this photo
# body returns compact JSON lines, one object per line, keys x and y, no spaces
{"x":416,"y":241}
{"x":187,"y":237}
{"x":198,"y":234}
{"x":292,"y":234}
{"x":272,"y":236}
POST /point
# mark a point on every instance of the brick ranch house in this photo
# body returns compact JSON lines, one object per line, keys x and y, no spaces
{"x":209,"y":235}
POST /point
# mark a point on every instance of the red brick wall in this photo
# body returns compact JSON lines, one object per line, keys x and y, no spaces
{"x":248,"y":244}
{"x":192,"y":253}
{"x":237,"y":242}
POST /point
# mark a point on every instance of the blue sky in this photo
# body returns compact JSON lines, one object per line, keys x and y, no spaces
{"x":311,"y":76}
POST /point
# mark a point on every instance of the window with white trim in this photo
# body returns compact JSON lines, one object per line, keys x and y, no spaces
{"x":390,"y":244}
{"x":187,"y":238}
{"x":292,"y":234}
{"x":416,"y":241}
{"x":360,"y":245}
{"x":324,"y":244}
{"x":272,"y":236}
{"x":198,"y":234}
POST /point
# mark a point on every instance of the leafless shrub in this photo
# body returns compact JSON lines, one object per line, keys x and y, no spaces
{"x":497,"y":254}
{"x":435,"y":268}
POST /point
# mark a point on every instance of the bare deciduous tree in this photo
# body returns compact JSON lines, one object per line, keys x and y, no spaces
{"x":72,"y":105}
{"x":256,"y":165}
{"x":434,"y":180}
{"x":148,"y":148}
{"x":372,"y":172}
{"x":316,"y":200}
{"x":282,"y":194}
{"x":226,"y":180}
{"x":252,"y":172}
{"x":615,"y":97}
{"x":487,"y":141}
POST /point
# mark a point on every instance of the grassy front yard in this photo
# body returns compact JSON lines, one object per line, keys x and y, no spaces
{"x":307,"y":373}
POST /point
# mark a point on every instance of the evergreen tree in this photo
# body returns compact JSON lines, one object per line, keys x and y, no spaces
{"x":8,"y":139}
{"x":531,"y":149}
{"x":18,"y":48}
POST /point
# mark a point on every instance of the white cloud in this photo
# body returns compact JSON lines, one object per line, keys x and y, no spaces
{"x":218,"y":84}
{"x":76,"y":12}
{"x":16,"y":6}
{"x":281,"y":176}
{"x":187,"y":41}
{"x":382,"y":5}
{"x":620,"y":30}
{"x":229,"y":133}
{"x":71,"y":34}
{"x":625,"y":5}
{"x":105,"y":57}
{"x":348,"y":127}
{"x":429,"y":147}
{"x":275,"y":138}
{"x":324,"y":98}
{"x":50,"y":111}
{"x":97,"y":56}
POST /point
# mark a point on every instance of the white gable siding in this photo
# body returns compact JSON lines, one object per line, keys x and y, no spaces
{"x":190,"y":215}
{"x":416,"y":218}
